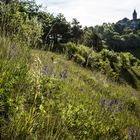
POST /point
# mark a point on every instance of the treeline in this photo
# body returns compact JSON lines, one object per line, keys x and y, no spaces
{"x":118,"y":37}
{"x":27,"y":19}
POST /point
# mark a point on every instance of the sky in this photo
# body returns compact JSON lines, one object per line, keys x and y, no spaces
{"x":92,"y":12}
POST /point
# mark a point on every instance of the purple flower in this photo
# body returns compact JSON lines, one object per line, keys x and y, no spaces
{"x":131,"y":133}
{"x":12,"y":51}
{"x":112,"y":102}
{"x":63,"y":74}
{"x":14,"y":47}
{"x":54,"y":74}
{"x":45,"y":70}
{"x":102,"y":103}
{"x":120,"y":106}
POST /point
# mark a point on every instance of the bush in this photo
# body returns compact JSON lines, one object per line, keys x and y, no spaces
{"x":71,"y":49}
{"x":79,"y":59}
{"x":15,"y":23}
{"x":108,"y":62}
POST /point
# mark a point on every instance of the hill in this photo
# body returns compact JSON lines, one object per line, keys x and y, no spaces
{"x":45,"y":96}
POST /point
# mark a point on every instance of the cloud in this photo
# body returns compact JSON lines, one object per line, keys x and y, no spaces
{"x":92,"y":12}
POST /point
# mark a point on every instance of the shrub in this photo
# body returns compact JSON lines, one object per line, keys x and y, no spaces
{"x":15,"y":23}
{"x":79,"y":59}
{"x":109,"y":62}
{"x":71,"y":49}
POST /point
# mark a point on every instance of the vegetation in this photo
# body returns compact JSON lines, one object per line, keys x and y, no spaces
{"x":60,"y":81}
{"x":116,"y":66}
{"x":118,"y":37}
{"x":60,"y":100}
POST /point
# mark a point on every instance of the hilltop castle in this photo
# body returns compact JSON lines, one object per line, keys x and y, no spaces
{"x":134,"y":15}
{"x":133,"y":24}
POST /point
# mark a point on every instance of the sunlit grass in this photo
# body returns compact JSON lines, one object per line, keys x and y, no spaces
{"x":45,"y":96}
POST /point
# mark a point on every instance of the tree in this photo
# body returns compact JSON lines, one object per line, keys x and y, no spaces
{"x":8,"y":1}
{"x":138,"y":26}
{"x":30,"y":8}
{"x":77,"y":31}
{"x":92,"y":39}
{"x":61,"y":29}
{"x":14,"y":22}
{"x":118,"y":28}
{"x":46,"y":20}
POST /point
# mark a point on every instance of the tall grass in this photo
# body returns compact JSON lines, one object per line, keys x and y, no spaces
{"x":45,"y":98}
{"x":22,"y":114}
{"x":90,"y":106}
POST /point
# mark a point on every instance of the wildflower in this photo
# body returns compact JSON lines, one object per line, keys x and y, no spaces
{"x":45,"y":70}
{"x":14,"y":47}
{"x":120,"y":106}
{"x":112,"y":102}
{"x":131,"y":134}
{"x":102,"y":103}
{"x":12,"y":51}
{"x":63,"y":74}
{"x":54,"y":74}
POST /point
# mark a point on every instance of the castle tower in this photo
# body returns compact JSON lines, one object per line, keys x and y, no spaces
{"x":134,"y":15}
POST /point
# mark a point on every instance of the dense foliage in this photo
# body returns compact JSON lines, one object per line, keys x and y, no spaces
{"x":20,"y":15}
{"x":119,"y":38}
{"x":117,"y":66}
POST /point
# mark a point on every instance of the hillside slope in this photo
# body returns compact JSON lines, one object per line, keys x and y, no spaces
{"x":56,"y":63}
{"x":45,"y":96}
{"x":94,"y":107}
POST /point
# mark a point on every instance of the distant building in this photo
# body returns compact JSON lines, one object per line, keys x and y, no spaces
{"x":133,"y":24}
{"x":134,"y":15}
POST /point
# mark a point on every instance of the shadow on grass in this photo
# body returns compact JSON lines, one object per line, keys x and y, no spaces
{"x":129,"y":77}
{"x":136,"y":74}
{"x":135,"y":52}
